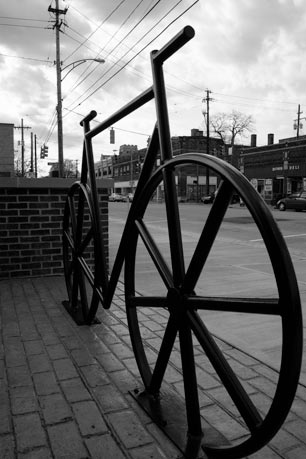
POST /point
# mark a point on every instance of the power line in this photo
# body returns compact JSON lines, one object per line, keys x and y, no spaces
{"x":79,"y":81}
{"x":99,"y":26}
{"x":148,"y":44}
{"x":254,"y":98}
{"x":116,"y":63}
{"x":117,"y":128}
{"x":23,"y":19}
{"x":26,"y":58}
{"x":24,"y":26}
{"x":118,"y":44}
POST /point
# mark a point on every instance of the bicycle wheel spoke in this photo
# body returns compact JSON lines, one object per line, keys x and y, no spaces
{"x":190,"y":381}
{"x":208,"y":236}
{"x":70,"y":241}
{"x":174,"y":227}
{"x":72,"y":215}
{"x":163,"y":356}
{"x":86,"y":240}
{"x":86,"y":270}
{"x":155,"y":254}
{"x":232,"y":384}
{"x":269,"y":306}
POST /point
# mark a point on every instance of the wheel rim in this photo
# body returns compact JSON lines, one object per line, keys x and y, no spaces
{"x":185,"y":320}
{"x":82,"y":268}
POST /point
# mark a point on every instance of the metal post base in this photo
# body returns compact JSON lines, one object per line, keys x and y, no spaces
{"x":77,"y":314}
{"x":169,"y":413}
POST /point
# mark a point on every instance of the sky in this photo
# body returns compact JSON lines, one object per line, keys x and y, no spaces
{"x":250,"y":54}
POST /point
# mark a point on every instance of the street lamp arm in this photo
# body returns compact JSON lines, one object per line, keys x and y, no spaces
{"x":77,"y":63}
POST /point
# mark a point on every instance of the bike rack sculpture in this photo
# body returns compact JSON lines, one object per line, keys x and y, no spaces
{"x":88,"y":284}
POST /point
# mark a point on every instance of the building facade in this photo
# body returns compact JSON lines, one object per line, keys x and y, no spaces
{"x":192,"y":181}
{"x":276,"y":169}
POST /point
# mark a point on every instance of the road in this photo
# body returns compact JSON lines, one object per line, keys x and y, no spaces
{"x":238,"y":266}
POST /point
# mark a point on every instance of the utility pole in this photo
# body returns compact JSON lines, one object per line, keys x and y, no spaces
{"x":207,"y":99}
{"x":35,"y":154}
{"x":22,"y":127}
{"x":297,"y":123}
{"x":32,"y":154}
{"x":57,"y":26}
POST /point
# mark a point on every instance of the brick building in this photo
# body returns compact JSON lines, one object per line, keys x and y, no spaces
{"x":192,"y":181}
{"x":276,"y":169}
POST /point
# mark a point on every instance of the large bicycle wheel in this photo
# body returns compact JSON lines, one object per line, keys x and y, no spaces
{"x":188,"y":307}
{"x":83,"y":262}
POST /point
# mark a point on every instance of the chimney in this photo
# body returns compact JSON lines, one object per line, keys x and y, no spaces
{"x":196,"y":133}
{"x":253,"y":140}
{"x":270,"y":139}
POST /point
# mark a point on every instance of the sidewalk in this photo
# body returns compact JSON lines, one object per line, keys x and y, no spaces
{"x":64,"y":390}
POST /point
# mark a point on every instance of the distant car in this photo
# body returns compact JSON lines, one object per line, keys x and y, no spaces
{"x":115,"y":197}
{"x":210,"y":198}
{"x":296,"y":201}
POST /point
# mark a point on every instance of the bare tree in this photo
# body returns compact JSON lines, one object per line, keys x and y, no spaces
{"x":229,"y":126}
{"x":70,"y":168}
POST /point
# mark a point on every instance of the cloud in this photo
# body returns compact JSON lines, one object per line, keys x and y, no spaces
{"x":251,"y":55}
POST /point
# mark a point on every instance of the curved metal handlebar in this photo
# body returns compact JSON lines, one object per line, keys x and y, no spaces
{"x":177,"y":42}
{"x":88,"y":117}
{"x":186,"y":34}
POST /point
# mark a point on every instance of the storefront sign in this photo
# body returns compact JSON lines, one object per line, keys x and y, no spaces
{"x":277,"y":168}
{"x":268,"y":185}
{"x":294,"y":167}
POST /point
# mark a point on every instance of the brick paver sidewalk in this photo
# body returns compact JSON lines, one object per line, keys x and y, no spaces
{"x":64,"y":389}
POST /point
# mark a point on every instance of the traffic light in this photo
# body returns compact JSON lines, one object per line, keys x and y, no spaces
{"x":112,"y":135}
{"x":44,"y":151}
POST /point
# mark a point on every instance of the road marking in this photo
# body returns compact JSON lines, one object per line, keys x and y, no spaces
{"x":285,"y":237}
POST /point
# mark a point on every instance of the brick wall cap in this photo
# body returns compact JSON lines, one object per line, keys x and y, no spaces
{"x":49,"y":182}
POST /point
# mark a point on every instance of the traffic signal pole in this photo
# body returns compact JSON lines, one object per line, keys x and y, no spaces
{"x":22,"y":128}
{"x":57,"y":27}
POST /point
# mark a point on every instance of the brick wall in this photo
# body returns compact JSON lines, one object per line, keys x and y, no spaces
{"x":31,"y":213}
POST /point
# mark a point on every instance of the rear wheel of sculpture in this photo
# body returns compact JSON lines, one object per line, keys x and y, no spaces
{"x":172,"y":321}
{"x":83,"y":266}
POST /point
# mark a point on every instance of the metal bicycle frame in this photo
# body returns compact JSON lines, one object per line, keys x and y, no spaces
{"x":160,"y":140}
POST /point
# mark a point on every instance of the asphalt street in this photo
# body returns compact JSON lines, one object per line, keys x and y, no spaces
{"x":238,"y":266}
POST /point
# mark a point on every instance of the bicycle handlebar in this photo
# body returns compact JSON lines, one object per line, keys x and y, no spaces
{"x":88,"y":117}
{"x":159,"y":56}
{"x":186,"y":34}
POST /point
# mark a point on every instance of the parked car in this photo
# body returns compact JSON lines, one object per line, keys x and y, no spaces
{"x":210,"y":198}
{"x":129,"y":197}
{"x":296,"y":201}
{"x":115,"y":197}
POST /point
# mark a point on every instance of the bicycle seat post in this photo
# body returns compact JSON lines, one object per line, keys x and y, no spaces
{"x":161,"y":108}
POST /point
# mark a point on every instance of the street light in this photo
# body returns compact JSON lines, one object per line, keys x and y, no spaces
{"x":79,"y":62}
{"x":59,"y":80}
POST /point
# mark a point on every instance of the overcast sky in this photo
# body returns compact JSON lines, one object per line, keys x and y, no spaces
{"x":250,"y":54}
